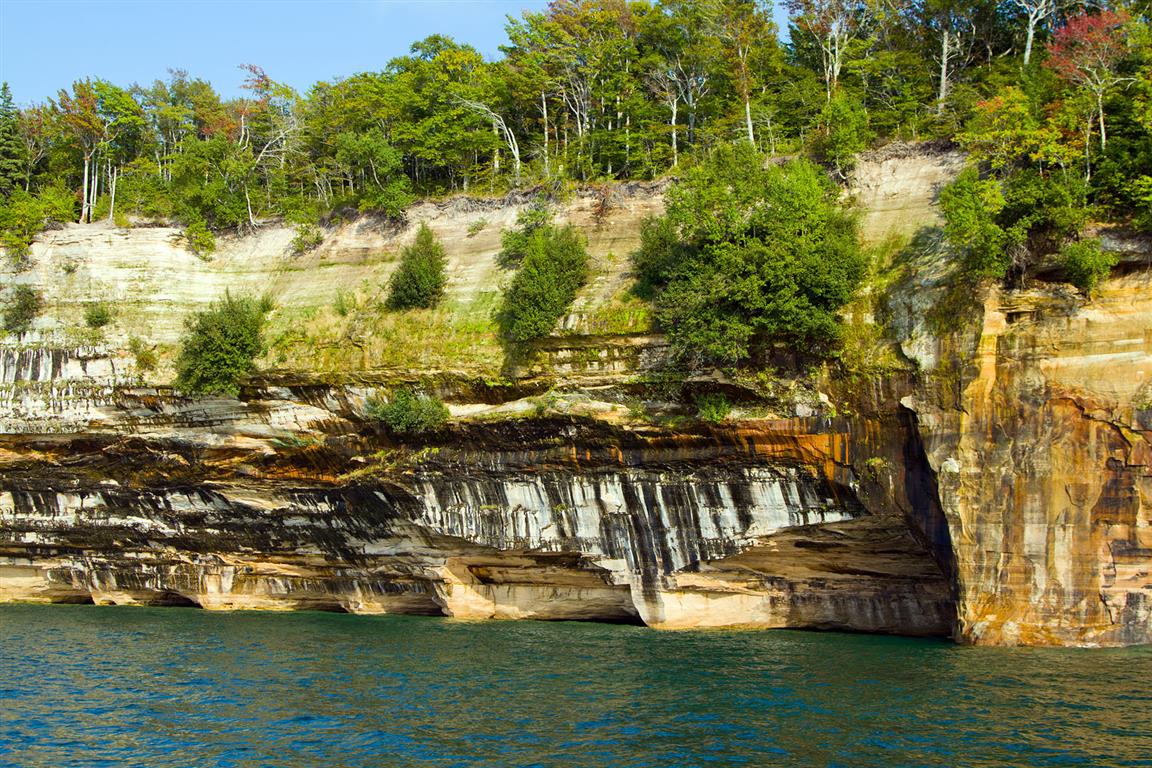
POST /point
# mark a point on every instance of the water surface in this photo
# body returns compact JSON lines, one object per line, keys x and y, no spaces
{"x":88,"y":686}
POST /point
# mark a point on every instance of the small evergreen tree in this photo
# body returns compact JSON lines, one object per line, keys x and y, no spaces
{"x":221,"y":345}
{"x":12,"y":152}
{"x":555,"y":267}
{"x":22,"y":309}
{"x":514,"y":242}
{"x":419,"y":281}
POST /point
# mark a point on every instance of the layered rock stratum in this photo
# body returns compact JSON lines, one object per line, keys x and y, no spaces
{"x":977,"y":471}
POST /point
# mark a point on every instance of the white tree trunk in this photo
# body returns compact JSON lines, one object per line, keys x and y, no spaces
{"x":84,"y":192}
{"x":547,"y":160}
{"x":945,"y":54}
{"x":112,"y":193}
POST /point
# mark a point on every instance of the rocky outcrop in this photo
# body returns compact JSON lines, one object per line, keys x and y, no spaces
{"x":546,"y":518}
{"x":990,"y":487}
{"x":1035,"y":419}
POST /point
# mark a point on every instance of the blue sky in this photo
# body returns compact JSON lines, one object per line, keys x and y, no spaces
{"x":46,"y":44}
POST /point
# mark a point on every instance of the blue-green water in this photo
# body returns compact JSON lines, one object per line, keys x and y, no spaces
{"x":86,"y":686}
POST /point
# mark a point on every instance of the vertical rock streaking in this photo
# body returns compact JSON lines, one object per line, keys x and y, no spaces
{"x":1036,"y":423}
{"x":755,"y":527}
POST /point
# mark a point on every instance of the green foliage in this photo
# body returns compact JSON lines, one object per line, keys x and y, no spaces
{"x":344,"y":304}
{"x":22,"y":308}
{"x":515,"y":242}
{"x":97,"y":315}
{"x":13,"y":153}
{"x":308,"y":237}
{"x":477,"y":227}
{"x":210,"y":182}
{"x":660,"y":252}
{"x":750,"y":256}
{"x":999,"y":225}
{"x":1086,"y":263}
{"x":407,"y":412}
{"x":23,"y":215}
{"x":199,"y":239}
{"x":648,"y":87}
{"x":221,"y":344}
{"x":843,"y":132}
{"x":146,"y":359}
{"x":1141,"y":194}
{"x":554,"y":268}
{"x":971,"y":205}
{"x":419,"y":280}
{"x":713,"y":407}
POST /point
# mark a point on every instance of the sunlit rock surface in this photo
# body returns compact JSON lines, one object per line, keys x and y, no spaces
{"x":990,"y":489}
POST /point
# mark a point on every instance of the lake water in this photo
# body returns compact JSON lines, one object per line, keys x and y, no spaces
{"x":88,"y":686}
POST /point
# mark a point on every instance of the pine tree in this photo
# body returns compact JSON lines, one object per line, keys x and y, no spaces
{"x":418,"y":282}
{"x":11,"y":146}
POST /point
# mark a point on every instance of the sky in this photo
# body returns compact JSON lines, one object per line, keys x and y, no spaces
{"x":47,"y":44}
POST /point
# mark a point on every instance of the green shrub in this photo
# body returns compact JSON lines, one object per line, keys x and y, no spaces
{"x":344,"y":304}
{"x":660,"y":252}
{"x":971,"y":205}
{"x":22,"y":309}
{"x":844,"y":132}
{"x":407,"y":412}
{"x":748,"y":257}
{"x":477,"y":227}
{"x":145,"y":355}
{"x":713,"y":407}
{"x":418,"y":283}
{"x":308,"y":238}
{"x":199,"y":239}
{"x":516,"y":242}
{"x":1086,"y":263}
{"x":555,"y":267}
{"x":97,"y":315}
{"x":221,"y":344}
{"x":23,"y":215}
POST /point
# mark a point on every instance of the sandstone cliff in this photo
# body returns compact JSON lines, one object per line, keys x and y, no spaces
{"x":984,"y":482}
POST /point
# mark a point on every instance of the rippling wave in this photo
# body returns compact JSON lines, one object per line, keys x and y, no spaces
{"x":87,"y":686}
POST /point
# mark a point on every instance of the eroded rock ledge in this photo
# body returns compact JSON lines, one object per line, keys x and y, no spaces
{"x":554,"y":518}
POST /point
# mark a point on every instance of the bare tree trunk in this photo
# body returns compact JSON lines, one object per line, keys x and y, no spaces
{"x":112,"y":193}
{"x":248,"y":202}
{"x":547,"y":160}
{"x":945,"y":53}
{"x":748,"y":120}
{"x":84,"y":193}
{"x":1100,"y":115}
{"x":1032,"y":21}
{"x":675,"y":144}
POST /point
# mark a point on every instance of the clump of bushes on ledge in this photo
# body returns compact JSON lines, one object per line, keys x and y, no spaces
{"x":1086,"y":263}
{"x":97,"y":315}
{"x":407,"y":412}
{"x":221,"y":345}
{"x":22,"y":309}
{"x":713,"y":407}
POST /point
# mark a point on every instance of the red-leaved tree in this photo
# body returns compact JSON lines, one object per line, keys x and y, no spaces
{"x":1087,"y":52}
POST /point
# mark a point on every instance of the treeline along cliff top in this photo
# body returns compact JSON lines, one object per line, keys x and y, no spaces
{"x":1052,"y":100}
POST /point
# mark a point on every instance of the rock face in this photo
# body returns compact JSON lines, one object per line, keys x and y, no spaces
{"x":991,"y":491}
{"x":551,"y":518}
{"x":1036,"y":420}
